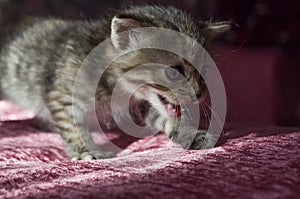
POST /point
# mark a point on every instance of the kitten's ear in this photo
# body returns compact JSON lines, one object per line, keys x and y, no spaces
{"x":216,"y":29}
{"x":119,"y":25}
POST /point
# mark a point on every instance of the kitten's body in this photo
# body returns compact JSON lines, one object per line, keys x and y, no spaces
{"x":39,"y":63}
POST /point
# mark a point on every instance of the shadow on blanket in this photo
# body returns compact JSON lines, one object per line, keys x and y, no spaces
{"x":247,"y":163}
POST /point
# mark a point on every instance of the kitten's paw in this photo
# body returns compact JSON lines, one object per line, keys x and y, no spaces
{"x":92,"y":155}
{"x":102,"y":154}
{"x":202,"y":140}
{"x":194,"y":139}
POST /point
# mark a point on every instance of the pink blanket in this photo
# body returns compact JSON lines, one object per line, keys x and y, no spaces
{"x":248,"y":163}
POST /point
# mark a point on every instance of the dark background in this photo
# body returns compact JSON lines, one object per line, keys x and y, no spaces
{"x":262,"y":22}
{"x":264,"y":42}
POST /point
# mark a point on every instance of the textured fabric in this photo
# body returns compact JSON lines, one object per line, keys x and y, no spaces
{"x":248,"y":163}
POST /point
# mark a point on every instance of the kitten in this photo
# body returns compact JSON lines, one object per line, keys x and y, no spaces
{"x":40,"y":61}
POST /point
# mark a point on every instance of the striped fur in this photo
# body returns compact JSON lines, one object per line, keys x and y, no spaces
{"x":39,"y":62}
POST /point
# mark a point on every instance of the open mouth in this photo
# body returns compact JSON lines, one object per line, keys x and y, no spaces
{"x":172,"y":110}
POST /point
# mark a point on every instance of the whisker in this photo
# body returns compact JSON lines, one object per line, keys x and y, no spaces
{"x":214,"y":113}
{"x":207,"y":116}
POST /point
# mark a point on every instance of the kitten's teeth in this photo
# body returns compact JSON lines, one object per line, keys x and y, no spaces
{"x":169,"y":106}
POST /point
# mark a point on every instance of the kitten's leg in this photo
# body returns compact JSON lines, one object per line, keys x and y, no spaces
{"x":78,"y":142}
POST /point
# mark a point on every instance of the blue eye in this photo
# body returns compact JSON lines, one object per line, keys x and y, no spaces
{"x":172,"y":74}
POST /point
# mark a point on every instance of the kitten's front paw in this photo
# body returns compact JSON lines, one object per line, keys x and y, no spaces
{"x":199,"y":139}
{"x":102,"y":154}
{"x":92,"y":155}
{"x":202,"y":140}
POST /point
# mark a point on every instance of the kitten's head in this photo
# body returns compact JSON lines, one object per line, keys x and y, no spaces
{"x":163,"y":78}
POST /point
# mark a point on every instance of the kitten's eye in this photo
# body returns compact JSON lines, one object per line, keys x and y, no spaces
{"x":204,"y":71}
{"x":172,"y":74}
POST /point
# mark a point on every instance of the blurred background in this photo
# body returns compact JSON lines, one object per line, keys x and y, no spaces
{"x":259,"y":59}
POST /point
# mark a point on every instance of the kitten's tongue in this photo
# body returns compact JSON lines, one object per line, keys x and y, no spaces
{"x":173,"y":110}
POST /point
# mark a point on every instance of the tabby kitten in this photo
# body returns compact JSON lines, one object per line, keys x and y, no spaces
{"x":39,"y":63}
